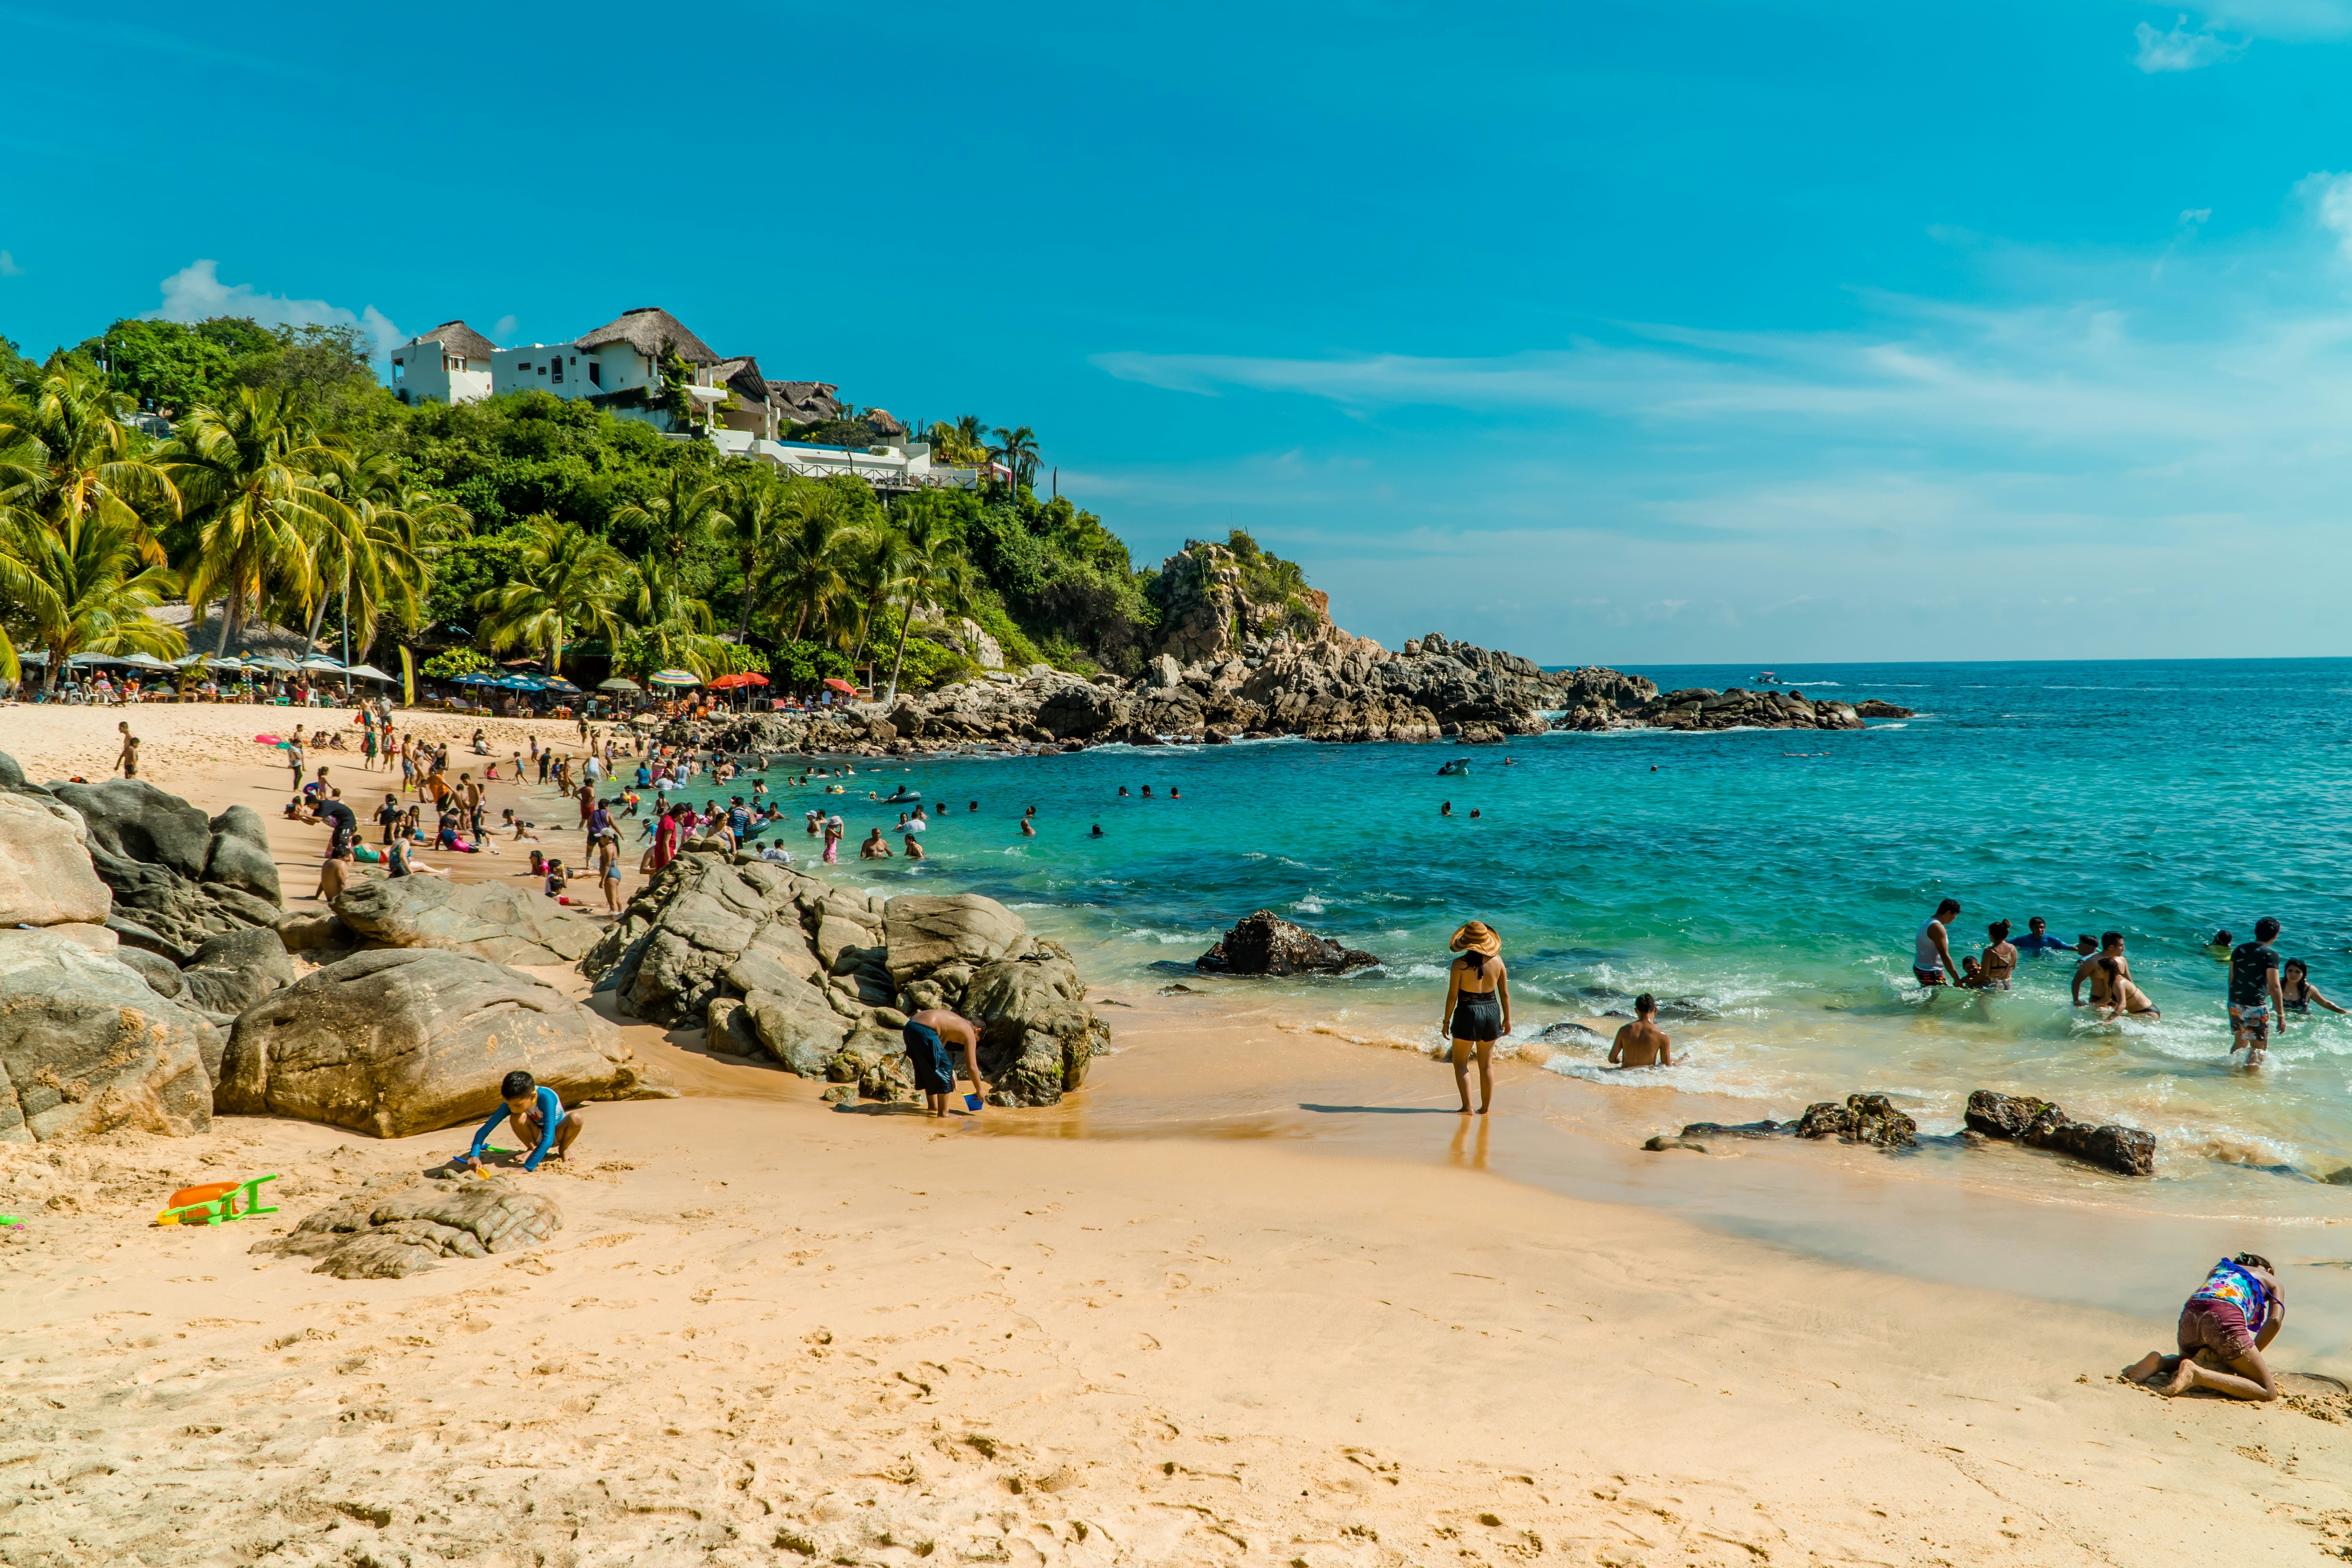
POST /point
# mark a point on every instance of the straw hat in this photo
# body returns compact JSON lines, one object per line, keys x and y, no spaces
{"x":1478,"y":937}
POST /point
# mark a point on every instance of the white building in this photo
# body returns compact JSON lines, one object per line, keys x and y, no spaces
{"x":618,"y":366}
{"x":451,"y":363}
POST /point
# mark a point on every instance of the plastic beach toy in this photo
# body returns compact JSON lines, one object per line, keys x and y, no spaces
{"x":972,"y":1102}
{"x":214,"y":1202}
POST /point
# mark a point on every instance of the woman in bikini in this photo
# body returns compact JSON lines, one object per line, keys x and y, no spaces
{"x":2122,"y":996}
{"x":2296,"y":990}
{"x":1993,"y":971}
{"x":1477,"y":1009}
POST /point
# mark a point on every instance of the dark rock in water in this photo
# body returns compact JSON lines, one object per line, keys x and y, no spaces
{"x":1263,"y":943}
{"x":2038,"y":1124}
{"x":1765,"y":1129}
{"x":2342,"y":1178}
{"x":1863,"y":1119}
{"x":1872,"y":708}
{"x":1567,"y":1031}
{"x":1685,"y":1007}
{"x":1662,"y":1142}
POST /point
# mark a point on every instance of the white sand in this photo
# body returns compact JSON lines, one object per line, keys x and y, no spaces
{"x":772,"y":1331}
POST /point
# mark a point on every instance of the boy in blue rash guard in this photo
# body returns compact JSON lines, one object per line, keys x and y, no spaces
{"x":537,"y":1117}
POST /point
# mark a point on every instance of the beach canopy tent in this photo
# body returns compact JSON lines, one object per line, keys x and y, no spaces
{"x":320,"y":661}
{"x":618,"y":683}
{"x":227,"y":661}
{"x":369,"y":672}
{"x":86,"y":660}
{"x":145,"y":661}
{"x":675,"y":677}
{"x":271,"y":664}
{"x":840,"y":684}
{"x":748,"y":677}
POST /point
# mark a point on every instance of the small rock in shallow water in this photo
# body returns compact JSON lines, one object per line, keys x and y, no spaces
{"x":1863,"y":1119}
{"x":2038,"y":1124}
{"x":1765,"y":1129}
{"x":1662,"y":1142}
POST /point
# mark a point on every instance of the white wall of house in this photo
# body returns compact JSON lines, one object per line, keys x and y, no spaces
{"x":570,"y":372}
{"x":429,"y":372}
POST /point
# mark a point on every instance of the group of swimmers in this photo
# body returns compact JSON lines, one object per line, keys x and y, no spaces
{"x":2261,"y":988}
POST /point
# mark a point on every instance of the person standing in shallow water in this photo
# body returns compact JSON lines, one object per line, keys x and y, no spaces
{"x":1477,"y":1009}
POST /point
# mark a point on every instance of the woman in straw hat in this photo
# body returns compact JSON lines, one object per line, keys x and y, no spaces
{"x":1477,"y":1009}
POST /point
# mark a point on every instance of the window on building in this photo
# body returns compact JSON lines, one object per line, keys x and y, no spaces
{"x":542,"y":370}
{"x":399,"y":371}
{"x":595,"y":373}
{"x":555,"y":369}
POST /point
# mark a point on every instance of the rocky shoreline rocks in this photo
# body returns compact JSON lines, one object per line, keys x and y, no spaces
{"x":1872,"y":1119}
{"x":1264,"y":944}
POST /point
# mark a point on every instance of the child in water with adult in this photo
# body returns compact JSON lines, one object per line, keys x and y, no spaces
{"x":2235,"y":1316}
{"x":1477,"y":1009}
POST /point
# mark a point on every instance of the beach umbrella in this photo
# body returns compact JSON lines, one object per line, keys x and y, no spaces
{"x":369,"y":672}
{"x":840,"y":684}
{"x":320,"y":661}
{"x":145,"y":661}
{"x":227,"y":661}
{"x":85,"y":660}
{"x":553,"y":683}
{"x":186,"y":659}
{"x":525,"y":683}
{"x":675,"y":677}
{"x":272,"y":663}
{"x":618,"y":683}
{"x":747,"y":678}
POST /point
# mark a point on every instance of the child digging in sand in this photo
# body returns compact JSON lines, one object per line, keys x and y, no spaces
{"x":536,"y":1114}
{"x":2235,"y":1314}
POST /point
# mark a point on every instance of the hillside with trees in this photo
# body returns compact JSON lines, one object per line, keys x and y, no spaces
{"x":293,"y":488}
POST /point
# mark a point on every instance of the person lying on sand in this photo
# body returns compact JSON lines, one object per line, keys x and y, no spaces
{"x":536,"y":1116}
{"x":928,"y":1033}
{"x":2234,"y":1315}
{"x":1642,"y":1044}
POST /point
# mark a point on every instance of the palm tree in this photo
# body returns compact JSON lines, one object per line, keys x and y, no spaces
{"x":260,"y":486}
{"x":934,"y":570}
{"x":806,"y":570}
{"x":682,"y":514}
{"x":83,"y":587}
{"x":66,"y":454}
{"x":756,"y":510}
{"x":669,"y":627}
{"x":1017,"y":450}
{"x":565,"y":580}
{"x":876,"y":566}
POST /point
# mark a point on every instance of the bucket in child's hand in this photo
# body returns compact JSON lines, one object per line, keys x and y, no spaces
{"x":972,"y":1102}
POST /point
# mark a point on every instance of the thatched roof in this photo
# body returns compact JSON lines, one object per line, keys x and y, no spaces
{"x":742,"y":376}
{"x":884,"y":422}
{"x":457,"y":338}
{"x":646,"y":330}
{"x":804,"y":401}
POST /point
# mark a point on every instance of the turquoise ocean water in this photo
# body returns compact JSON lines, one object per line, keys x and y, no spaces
{"x":1771,"y":881}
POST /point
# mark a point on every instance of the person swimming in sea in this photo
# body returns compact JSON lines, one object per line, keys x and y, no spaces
{"x":2124,"y":997}
{"x":2217,"y":949}
{"x":1477,"y":1009}
{"x":2296,"y":991}
{"x":1642,"y":1044}
{"x":2037,"y":938}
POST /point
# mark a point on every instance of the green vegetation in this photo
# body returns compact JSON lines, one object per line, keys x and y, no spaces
{"x":293,"y":488}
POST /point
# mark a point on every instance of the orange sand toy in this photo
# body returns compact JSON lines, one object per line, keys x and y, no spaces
{"x":214,"y":1202}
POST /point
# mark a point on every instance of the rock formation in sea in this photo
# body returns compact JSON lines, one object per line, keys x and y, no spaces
{"x":2039,"y":1124}
{"x":1262,"y":942}
{"x":820,"y":977}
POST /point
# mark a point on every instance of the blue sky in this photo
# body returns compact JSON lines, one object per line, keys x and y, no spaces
{"x":1658,"y":334}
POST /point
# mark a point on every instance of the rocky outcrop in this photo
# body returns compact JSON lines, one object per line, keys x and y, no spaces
{"x":406,"y":1040}
{"x":1703,"y":708}
{"x":233,"y":971}
{"x":86,"y":1046}
{"x":177,"y":877}
{"x":396,"y":1226}
{"x":504,"y":923}
{"x":1872,"y":708}
{"x":45,"y":875}
{"x":1209,"y":607}
{"x":1863,"y":1119}
{"x":822,"y":978}
{"x":2038,"y":1124}
{"x":1264,"y":944}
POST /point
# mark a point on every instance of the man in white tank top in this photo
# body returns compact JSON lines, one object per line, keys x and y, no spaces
{"x":1931,"y":957}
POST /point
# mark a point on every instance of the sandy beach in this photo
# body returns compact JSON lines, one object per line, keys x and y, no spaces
{"x":1254,"y":1294}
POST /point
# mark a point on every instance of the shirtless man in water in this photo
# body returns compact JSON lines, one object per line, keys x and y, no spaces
{"x":2094,"y":969}
{"x":1642,"y":1044}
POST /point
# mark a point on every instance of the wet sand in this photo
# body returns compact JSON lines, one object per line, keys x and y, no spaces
{"x":1255,"y":1293}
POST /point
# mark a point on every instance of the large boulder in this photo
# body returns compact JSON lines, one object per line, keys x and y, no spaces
{"x":240,"y":857}
{"x":87,"y":1046}
{"x":795,"y":1025}
{"x":702,"y":915}
{"x":45,"y":875}
{"x":403,"y":1040}
{"x":1863,"y":1119}
{"x":1264,"y":944}
{"x":506,"y":923}
{"x":925,"y":932}
{"x":1036,"y":1034}
{"x":233,"y":971}
{"x":132,"y":819}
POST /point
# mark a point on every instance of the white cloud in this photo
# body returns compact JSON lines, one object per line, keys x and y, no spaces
{"x":8,"y":267}
{"x":2196,"y":216}
{"x":2331,"y":199}
{"x":195,"y":292}
{"x":2289,"y":19}
{"x":503,"y":328}
{"x":2182,"y":49}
